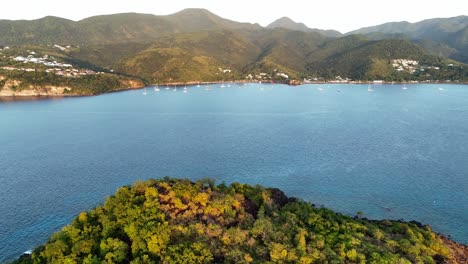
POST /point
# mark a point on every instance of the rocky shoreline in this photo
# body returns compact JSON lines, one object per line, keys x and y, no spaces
{"x":65,"y":91}
{"x":9,"y":89}
{"x":459,"y":251}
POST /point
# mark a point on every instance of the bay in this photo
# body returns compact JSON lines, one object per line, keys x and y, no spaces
{"x":391,"y":153}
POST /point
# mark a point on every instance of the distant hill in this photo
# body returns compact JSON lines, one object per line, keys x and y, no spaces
{"x":107,"y":29}
{"x":360,"y":59}
{"x":435,"y":29}
{"x":287,"y":23}
{"x":47,"y":30}
{"x":440,"y":36}
{"x":197,"y":45}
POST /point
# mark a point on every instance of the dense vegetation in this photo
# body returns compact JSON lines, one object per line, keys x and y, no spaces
{"x":194,"y":44}
{"x":178,"y":221}
{"x":84,"y":85}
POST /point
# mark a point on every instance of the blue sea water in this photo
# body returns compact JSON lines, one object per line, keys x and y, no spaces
{"x":391,"y":153}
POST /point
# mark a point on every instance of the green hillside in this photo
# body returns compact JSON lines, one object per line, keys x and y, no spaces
{"x":178,"y":221}
{"x":197,"y":45}
{"x":365,"y":60}
{"x":360,"y":59}
{"x":47,"y":30}
{"x":459,"y":40}
{"x":439,"y":36}
{"x":110,"y":29}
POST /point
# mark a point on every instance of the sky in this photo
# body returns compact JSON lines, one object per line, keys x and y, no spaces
{"x":344,"y":15}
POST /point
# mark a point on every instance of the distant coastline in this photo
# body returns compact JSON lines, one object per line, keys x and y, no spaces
{"x":57,"y":92}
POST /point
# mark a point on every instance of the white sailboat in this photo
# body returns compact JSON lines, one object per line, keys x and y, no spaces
{"x":369,"y":89}
{"x":144,"y":92}
{"x":156,"y":89}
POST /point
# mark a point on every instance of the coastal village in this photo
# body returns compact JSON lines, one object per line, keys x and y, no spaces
{"x":401,"y":65}
{"x":32,"y":62}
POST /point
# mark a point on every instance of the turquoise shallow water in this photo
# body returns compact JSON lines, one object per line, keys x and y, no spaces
{"x":392,"y":153}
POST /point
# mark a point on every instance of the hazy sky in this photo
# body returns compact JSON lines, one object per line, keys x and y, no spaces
{"x":344,"y":15}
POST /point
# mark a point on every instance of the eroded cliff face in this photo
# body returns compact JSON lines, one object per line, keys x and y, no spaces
{"x":132,"y":84}
{"x":459,"y":252}
{"x":10,"y":87}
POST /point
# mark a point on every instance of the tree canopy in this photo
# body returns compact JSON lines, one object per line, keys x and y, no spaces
{"x":179,"y":221}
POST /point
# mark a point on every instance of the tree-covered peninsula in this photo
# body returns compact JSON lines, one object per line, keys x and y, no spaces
{"x":179,"y":221}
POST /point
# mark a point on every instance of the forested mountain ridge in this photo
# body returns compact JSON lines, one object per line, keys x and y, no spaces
{"x":436,"y":28}
{"x":440,"y":36}
{"x":197,"y":45}
{"x":116,"y":28}
{"x":178,"y":221}
{"x":287,"y":23}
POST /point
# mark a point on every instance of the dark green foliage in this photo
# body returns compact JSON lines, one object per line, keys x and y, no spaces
{"x":177,"y":221}
{"x":84,"y":85}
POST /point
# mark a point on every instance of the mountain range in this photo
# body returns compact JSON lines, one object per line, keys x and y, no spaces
{"x":197,"y":45}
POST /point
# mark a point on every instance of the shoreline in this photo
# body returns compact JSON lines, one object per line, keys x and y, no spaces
{"x":33,"y":94}
{"x":297,"y":82}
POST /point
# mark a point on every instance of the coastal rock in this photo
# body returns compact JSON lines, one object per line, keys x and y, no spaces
{"x":10,"y":89}
{"x":132,"y":84}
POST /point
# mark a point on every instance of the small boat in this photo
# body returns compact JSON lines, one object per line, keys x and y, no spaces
{"x":27,"y":252}
{"x":369,"y":89}
{"x":441,"y":89}
{"x":156,"y":89}
{"x":208,"y":88}
{"x":320,"y":89}
{"x":404,"y":88}
{"x":167,"y":87}
{"x":198,"y":85}
{"x":144,"y":92}
{"x":222,"y":85}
